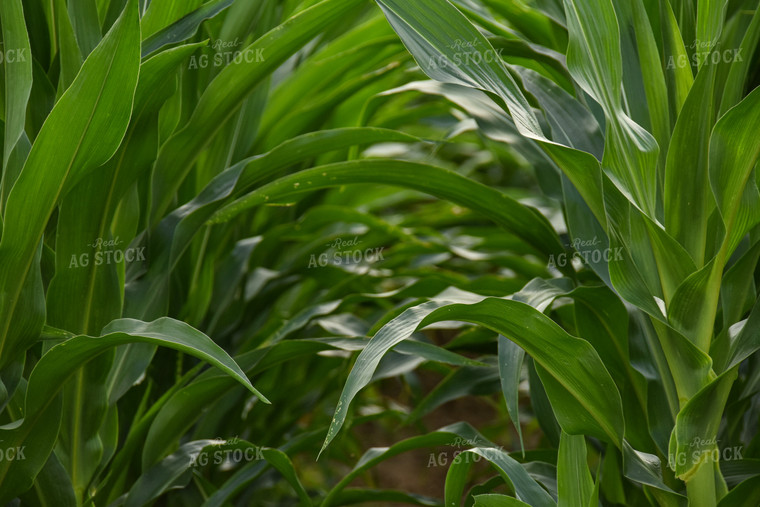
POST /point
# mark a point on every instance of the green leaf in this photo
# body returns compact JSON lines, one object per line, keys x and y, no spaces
{"x":747,"y":493}
{"x":544,"y":28}
{"x":643,"y":468}
{"x":524,"y":222}
{"x":526,"y":488}
{"x":51,"y":487}
{"x":710,"y":17}
{"x":63,"y":360}
{"x":226,"y":92}
{"x":510,"y":369}
{"x":737,"y":76}
{"x":570,"y":362}
{"x":574,"y":481}
{"x":41,"y":102}
{"x":603,"y":321}
{"x":432,"y":41}
{"x":698,"y":422}
{"x":175,"y":468}
{"x":542,"y":407}
{"x":174,"y":334}
{"x":429,"y":28}
{"x":687,"y":199}
{"x":96,"y":285}
{"x":595,"y":62}
{"x":314,"y":113}
{"x":162,"y":13}
{"x":459,"y":383}
{"x":176,"y":231}
{"x":282,"y":463}
{"x":183,"y":28}
{"x":79,"y":447}
{"x":677,"y":65}
{"x":737,"y":291}
{"x":655,"y":86}
{"x":593,"y":52}
{"x":13,"y":169}
{"x":18,"y":76}
{"x":172,"y":471}
{"x":36,"y":440}
{"x":184,"y":407}
{"x":747,"y":342}
{"x":83,"y":131}
{"x":86,"y":25}
{"x":543,"y":61}
{"x":69,"y":54}
{"x":734,"y":151}
{"x":391,"y":334}
{"x":373,"y":456}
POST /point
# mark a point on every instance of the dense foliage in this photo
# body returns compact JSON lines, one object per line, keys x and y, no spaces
{"x":245,"y":241}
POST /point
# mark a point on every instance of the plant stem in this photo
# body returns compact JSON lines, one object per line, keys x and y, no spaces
{"x":700,"y":488}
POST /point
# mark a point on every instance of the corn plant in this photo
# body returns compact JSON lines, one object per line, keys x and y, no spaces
{"x":121,"y":137}
{"x":647,"y":116}
{"x":127,"y":126}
